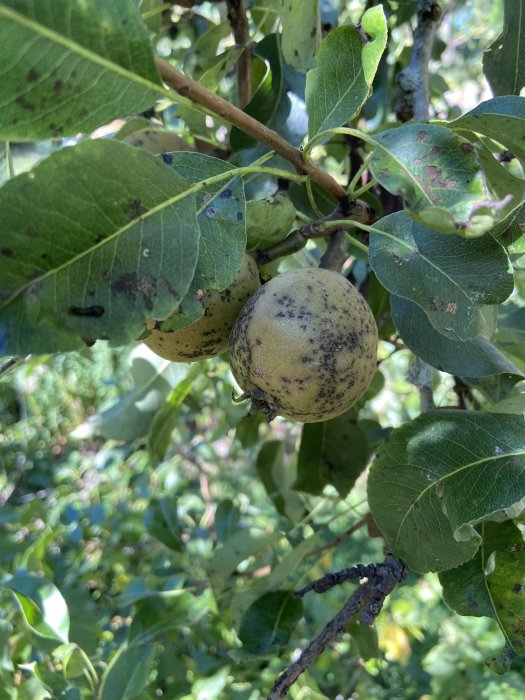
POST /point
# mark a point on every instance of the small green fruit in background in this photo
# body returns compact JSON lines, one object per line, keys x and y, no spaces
{"x":208,"y":336}
{"x":305,"y":346}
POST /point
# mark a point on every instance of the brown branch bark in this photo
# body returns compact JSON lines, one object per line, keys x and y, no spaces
{"x":335,"y":254}
{"x":239,"y":23}
{"x":225,"y":110}
{"x":413,"y":100}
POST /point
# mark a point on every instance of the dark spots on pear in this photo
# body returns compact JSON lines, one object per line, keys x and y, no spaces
{"x":32,"y":75}
{"x":6,"y":252}
{"x":135,"y":209}
{"x":95,"y":311}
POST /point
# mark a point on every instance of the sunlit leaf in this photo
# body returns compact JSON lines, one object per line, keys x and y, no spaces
{"x":301,"y":33}
{"x":43,"y":606}
{"x":374,"y":25}
{"x":128,"y":672}
{"x":504,"y":61}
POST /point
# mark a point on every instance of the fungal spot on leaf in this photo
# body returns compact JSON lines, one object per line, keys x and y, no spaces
{"x":135,"y":209}
{"x":167,"y":158}
{"x":95,"y":311}
{"x":435,"y":304}
{"x":6,"y":252}
{"x":32,"y":75}
{"x":239,"y":216}
{"x":516,"y":588}
{"x":210,"y":212}
{"x":422,"y":136}
{"x":436,"y":178}
{"x":89,"y":342}
{"x":25,"y":104}
{"x":227,"y":194}
{"x":451,"y":308}
{"x":57,"y":87}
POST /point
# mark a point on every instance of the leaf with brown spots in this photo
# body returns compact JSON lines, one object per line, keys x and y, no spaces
{"x":492,"y":584}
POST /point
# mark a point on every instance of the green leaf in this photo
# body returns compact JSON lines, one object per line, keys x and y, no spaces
{"x":78,"y":65}
{"x":132,"y":415}
{"x":277,"y":480}
{"x":268,"y":623}
{"x":235,"y":549}
{"x":333,"y":452}
{"x":492,"y":585}
{"x":221,"y":215}
{"x":504,"y":61}
{"x":4,"y":161}
{"x":95,"y":240}
{"x":440,"y":475}
{"x":502,"y":119}
{"x":154,"y":141}
{"x":515,"y":403}
{"x":301,"y":33}
{"x":336,"y":90}
{"x":128,"y":672}
{"x":227,"y":516}
{"x":265,"y":102}
{"x":162,"y":522}
{"x":42,"y":605}
{"x":476,"y":357}
{"x":374,"y":25}
{"x":211,"y":688}
{"x":268,"y":221}
{"x":503,"y":185}
{"x":166,"y":419}
{"x":439,"y":177}
{"x":448,"y":277}
{"x":6,"y":630}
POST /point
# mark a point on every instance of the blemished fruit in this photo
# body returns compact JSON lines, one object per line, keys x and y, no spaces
{"x":304,"y":346}
{"x":208,"y":336}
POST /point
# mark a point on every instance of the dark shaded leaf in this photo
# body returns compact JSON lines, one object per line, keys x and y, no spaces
{"x":504,"y":61}
{"x":268,"y":623}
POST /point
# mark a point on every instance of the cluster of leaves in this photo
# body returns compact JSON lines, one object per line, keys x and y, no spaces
{"x":109,"y":232}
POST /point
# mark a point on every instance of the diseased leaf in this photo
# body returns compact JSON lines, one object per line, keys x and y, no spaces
{"x":438,"y":477}
{"x":221,"y":216}
{"x":476,"y":357}
{"x":95,"y":240}
{"x":301,"y":33}
{"x":267,"y":625}
{"x":504,"y":61}
{"x":83,"y":64}
{"x":374,"y":25}
{"x":448,"y":277}
{"x":336,"y":89}
{"x":502,"y":119}
{"x":43,"y":606}
{"x":492,"y":585}
{"x":438,"y":175}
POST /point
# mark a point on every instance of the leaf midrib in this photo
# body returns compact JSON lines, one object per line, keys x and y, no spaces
{"x":455,"y":472}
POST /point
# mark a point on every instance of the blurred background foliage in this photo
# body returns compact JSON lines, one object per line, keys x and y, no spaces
{"x":160,"y":518}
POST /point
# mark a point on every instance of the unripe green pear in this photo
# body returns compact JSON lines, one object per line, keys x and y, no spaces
{"x":304,"y":346}
{"x":208,"y":336}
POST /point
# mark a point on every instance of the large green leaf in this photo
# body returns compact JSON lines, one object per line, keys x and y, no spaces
{"x":221,"y":214}
{"x":333,"y":452}
{"x":440,"y":475}
{"x":502,"y":119}
{"x":449,"y":277}
{"x":438,"y":175}
{"x":269,"y":621}
{"x":71,"y":65}
{"x":336,"y":89}
{"x":42,"y":605}
{"x":492,"y":584}
{"x":128,"y":672}
{"x":301,"y":33}
{"x":476,"y":357}
{"x":504,"y":61}
{"x":95,"y":240}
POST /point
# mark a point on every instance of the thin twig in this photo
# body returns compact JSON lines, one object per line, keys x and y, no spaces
{"x":335,"y":254}
{"x":342,"y":538}
{"x":225,"y":110}
{"x":412,"y":84}
{"x":239,"y":23}
{"x":381,"y":579}
{"x":420,"y":375}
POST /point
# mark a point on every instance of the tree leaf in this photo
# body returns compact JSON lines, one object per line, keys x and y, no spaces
{"x":128,"y":672}
{"x":332,"y":452}
{"x":476,"y":357}
{"x":268,"y":623}
{"x":440,"y":475}
{"x":43,"y":607}
{"x":221,"y":215}
{"x":301,"y":33}
{"x":448,"y":277}
{"x":235,"y":549}
{"x":336,"y":89}
{"x":374,"y":25}
{"x":265,"y":102}
{"x":491,"y":585}
{"x":131,"y":416}
{"x":277,"y":480}
{"x":162,"y":522}
{"x":439,"y":177}
{"x":82,"y":65}
{"x":95,"y":240}
{"x":504,"y":61}
{"x":502,"y":119}
{"x":268,"y":221}
{"x":166,"y":419}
